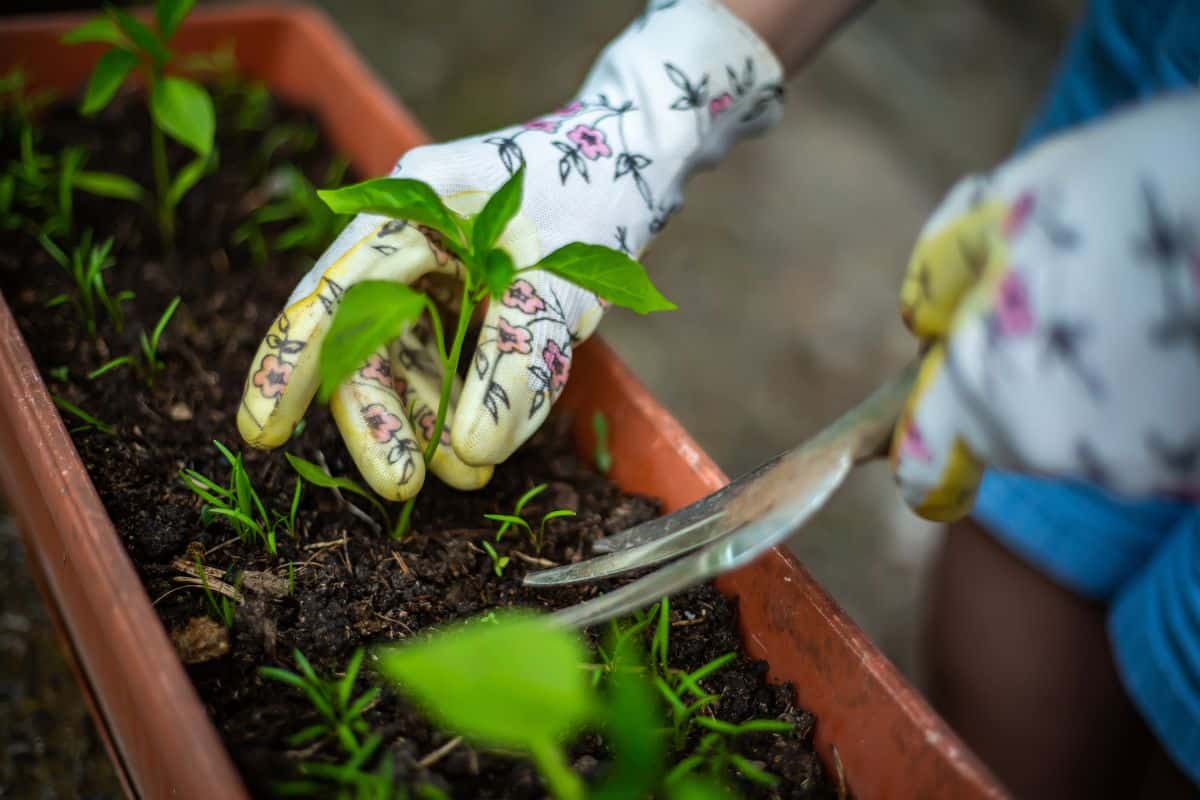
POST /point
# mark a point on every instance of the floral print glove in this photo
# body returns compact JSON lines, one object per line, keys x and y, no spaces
{"x":1059,"y":298}
{"x":669,"y":96}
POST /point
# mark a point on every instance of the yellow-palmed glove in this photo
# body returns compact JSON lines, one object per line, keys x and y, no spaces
{"x":669,"y":96}
{"x":1059,"y":298}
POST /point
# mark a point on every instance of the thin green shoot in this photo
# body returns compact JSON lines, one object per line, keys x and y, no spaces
{"x":518,"y":507}
{"x":317,"y":476}
{"x":499,"y":562}
{"x":61,"y":374}
{"x":85,"y":266}
{"x":146,"y":360}
{"x":601,"y":455}
{"x":222,"y":607}
{"x":89,"y":422}
{"x":340,"y":713}
{"x":515,"y":520}
{"x":291,"y":578}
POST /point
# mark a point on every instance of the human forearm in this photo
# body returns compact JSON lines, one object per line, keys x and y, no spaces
{"x":795,"y":29}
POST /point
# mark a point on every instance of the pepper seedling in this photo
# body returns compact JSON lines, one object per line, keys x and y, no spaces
{"x":179,"y":108}
{"x":373,"y":313}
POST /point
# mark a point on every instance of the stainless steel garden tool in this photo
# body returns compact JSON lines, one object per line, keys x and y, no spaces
{"x":735,"y":525}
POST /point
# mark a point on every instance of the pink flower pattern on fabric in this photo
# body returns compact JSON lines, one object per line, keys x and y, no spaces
{"x":544,"y":125}
{"x":382,"y":423}
{"x":573,"y":107}
{"x":720,"y":104}
{"x":591,"y":142}
{"x":558,"y":363}
{"x":272,"y":376}
{"x":512,"y":338}
{"x":427,"y":421}
{"x":523,"y":296}
{"x":1018,"y":214}
{"x":377,"y":369}
{"x":912,"y":444}
{"x":1012,"y":306}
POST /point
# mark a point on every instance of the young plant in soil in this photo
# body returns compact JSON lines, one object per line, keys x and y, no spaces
{"x":239,"y":503}
{"x":37,"y":189}
{"x":146,"y":360}
{"x":373,"y":313}
{"x":548,"y":699}
{"x":179,"y":108}
{"x":516,"y":520}
{"x":86,"y":266}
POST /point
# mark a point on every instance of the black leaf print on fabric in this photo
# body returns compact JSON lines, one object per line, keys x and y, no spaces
{"x":399,"y":450}
{"x":1164,"y":244}
{"x":494,"y":398}
{"x":1182,"y":327}
{"x":1182,"y":458}
{"x":663,"y":216}
{"x":481,"y":363}
{"x":385,"y":249}
{"x":392,"y":226}
{"x":541,"y":393}
{"x":632,"y":164}
{"x":623,"y":240}
{"x":1063,"y":344}
{"x":743,"y":84}
{"x":511,"y":155}
{"x":335,"y":295}
{"x":1089,"y":464}
{"x":571,"y":161}
{"x":1171,"y":250}
{"x":694,"y":96}
{"x":283,"y":344}
{"x":768,"y":95}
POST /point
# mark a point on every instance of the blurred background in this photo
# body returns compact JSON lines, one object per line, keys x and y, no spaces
{"x":785,"y":264}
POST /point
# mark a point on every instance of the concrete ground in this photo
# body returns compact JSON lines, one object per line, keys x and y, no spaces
{"x":787,"y":259}
{"x":785,"y":266}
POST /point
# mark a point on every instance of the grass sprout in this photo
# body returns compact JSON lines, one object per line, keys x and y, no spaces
{"x":515,"y":520}
{"x":85,"y":265}
{"x":341,"y":714}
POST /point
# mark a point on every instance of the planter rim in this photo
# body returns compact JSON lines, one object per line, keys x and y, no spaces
{"x":869,"y":719}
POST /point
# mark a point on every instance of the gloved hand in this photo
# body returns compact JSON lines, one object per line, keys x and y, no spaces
{"x":1060,"y":300}
{"x":667,"y":97}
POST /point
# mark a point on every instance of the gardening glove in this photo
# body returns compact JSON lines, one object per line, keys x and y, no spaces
{"x":1059,"y":298}
{"x":669,"y":96}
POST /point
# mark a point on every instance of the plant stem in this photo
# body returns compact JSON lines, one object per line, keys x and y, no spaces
{"x":166,"y":215}
{"x":562,"y":782}
{"x":449,"y":370}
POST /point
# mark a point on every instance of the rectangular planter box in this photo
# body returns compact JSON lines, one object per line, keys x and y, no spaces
{"x":872,"y":727}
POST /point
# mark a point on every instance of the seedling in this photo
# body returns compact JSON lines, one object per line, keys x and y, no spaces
{"x":37,"y":189}
{"x":715,"y":754}
{"x":341,"y":714}
{"x":319,"y":477}
{"x":222,"y":607}
{"x":239,"y":503}
{"x":348,"y":779}
{"x":179,"y":108}
{"x":601,"y":455}
{"x":146,"y":360}
{"x":90,"y":423}
{"x":85,"y":266}
{"x":516,"y":520}
{"x":311,"y":226}
{"x":374,"y":312}
{"x":499,"y":562}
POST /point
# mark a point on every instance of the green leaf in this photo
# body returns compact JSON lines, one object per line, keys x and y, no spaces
{"x":170,"y":13}
{"x":609,"y":273}
{"x":142,"y":37}
{"x":516,"y":684}
{"x":189,"y":176}
{"x":100,"y":29}
{"x":633,"y":722}
{"x":370,"y":315}
{"x":507,"y":519}
{"x":501,"y":207}
{"x":696,"y":788}
{"x":602,"y":455}
{"x":111,"y":70}
{"x":76,"y":411}
{"x":108,"y":184}
{"x":319,"y":477}
{"x":161,"y":325}
{"x":529,"y":495}
{"x":184,"y":111}
{"x":400,"y":198}
{"x":498,"y":271}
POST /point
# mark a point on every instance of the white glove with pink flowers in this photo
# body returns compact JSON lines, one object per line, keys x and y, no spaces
{"x":669,"y":96}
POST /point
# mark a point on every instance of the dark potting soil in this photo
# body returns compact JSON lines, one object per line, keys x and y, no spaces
{"x":353,"y":586}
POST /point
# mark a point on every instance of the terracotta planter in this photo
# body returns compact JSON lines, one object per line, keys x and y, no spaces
{"x":872,"y":726}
